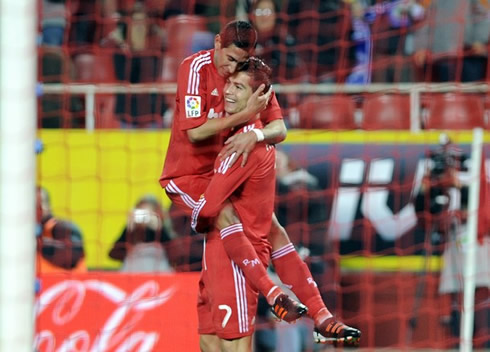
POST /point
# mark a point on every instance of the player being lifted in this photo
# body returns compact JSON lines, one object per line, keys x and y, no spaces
{"x":194,"y":144}
{"x":227,"y":301}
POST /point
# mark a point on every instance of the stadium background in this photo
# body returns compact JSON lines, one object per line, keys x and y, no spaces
{"x":104,"y":150}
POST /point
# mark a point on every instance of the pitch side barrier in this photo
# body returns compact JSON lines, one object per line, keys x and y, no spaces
{"x":369,"y":182}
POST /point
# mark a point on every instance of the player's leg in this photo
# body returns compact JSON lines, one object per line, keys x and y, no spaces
{"x":209,"y":343}
{"x":293,"y":271}
{"x":243,"y":344}
{"x":241,"y":251}
{"x":208,"y":340}
{"x":233,"y":301}
{"x":185,"y":192}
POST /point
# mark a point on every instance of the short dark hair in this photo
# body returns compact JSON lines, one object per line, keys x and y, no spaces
{"x":240,"y":33}
{"x":258,"y":70}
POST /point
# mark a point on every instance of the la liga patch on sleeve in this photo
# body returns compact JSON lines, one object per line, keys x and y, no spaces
{"x":192,"y":106}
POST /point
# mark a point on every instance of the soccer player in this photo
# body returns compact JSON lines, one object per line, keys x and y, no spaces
{"x":228,"y":301}
{"x":197,"y":138}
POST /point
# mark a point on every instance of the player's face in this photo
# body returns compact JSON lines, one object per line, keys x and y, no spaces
{"x":227,"y":59}
{"x":237,"y":91}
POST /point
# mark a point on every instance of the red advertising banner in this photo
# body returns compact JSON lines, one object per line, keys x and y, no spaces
{"x":103,"y":312}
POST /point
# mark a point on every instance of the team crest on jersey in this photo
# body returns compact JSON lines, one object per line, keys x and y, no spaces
{"x":192,"y":106}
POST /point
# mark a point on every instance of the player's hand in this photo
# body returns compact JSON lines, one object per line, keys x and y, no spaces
{"x":241,"y":144}
{"x":258,"y":101}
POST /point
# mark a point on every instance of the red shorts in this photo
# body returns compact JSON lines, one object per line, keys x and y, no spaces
{"x":227,"y":303}
{"x":185,"y":191}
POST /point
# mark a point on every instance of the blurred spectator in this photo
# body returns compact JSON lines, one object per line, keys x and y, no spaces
{"x":402,"y":19}
{"x":452,"y":44}
{"x":140,"y":41}
{"x":83,"y":24}
{"x":54,"y":17}
{"x":60,"y":245}
{"x":274,"y":45}
{"x":277,"y":48}
{"x":321,"y":29}
{"x":144,"y":243}
{"x":403,"y":14}
{"x":400,"y":14}
{"x":57,"y":110}
{"x":362,"y":44}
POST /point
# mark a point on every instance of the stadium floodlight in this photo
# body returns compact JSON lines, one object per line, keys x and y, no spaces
{"x":17,"y":173}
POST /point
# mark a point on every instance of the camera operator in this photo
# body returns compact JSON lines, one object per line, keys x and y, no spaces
{"x":59,"y":241}
{"x":441,"y":175}
{"x":144,"y":245}
{"x":445,"y":197}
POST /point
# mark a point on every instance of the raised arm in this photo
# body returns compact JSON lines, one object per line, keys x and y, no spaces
{"x":255,"y":104}
{"x":242,"y":144}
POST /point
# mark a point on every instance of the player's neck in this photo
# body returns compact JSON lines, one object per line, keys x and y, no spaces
{"x":249,"y":122}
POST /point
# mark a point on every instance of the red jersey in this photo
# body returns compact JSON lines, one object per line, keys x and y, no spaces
{"x":199,"y":97}
{"x":251,"y":189}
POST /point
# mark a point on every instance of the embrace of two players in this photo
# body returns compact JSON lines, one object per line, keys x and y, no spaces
{"x":224,"y":98}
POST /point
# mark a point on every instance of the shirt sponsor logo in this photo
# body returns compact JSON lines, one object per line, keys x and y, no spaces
{"x":214,"y":115}
{"x":192,"y":106}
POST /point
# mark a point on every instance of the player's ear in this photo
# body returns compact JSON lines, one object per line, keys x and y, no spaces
{"x":217,"y":42}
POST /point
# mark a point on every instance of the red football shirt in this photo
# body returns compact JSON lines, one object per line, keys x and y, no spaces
{"x":199,"y":97}
{"x":251,"y":189}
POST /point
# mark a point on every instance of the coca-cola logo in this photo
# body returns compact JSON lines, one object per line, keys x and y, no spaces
{"x":97,"y":315}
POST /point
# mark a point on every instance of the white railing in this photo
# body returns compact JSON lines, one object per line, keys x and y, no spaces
{"x":413,"y":89}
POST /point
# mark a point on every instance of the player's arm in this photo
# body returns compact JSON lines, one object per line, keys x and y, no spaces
{"x":224,"y":182}
{"x":256,"y":103}
{"x":274,"y":132}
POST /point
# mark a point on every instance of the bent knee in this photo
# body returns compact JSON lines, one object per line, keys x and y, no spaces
{"x":227,"y":217}
{"x":278,"y":237}
{"x":243,"y":344}
{"x":209,"y":343}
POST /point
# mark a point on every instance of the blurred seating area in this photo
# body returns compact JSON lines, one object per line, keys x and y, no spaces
{"x":352,"y":42}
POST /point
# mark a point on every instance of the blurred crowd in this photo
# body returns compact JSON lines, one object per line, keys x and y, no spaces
{"x":321,"y":41}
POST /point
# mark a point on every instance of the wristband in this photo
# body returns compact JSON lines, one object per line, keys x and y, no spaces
{"x":259,"y":134}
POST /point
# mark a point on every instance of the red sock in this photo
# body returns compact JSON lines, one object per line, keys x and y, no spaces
{"x":241,"y":251}
{"x":300,"y":280}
